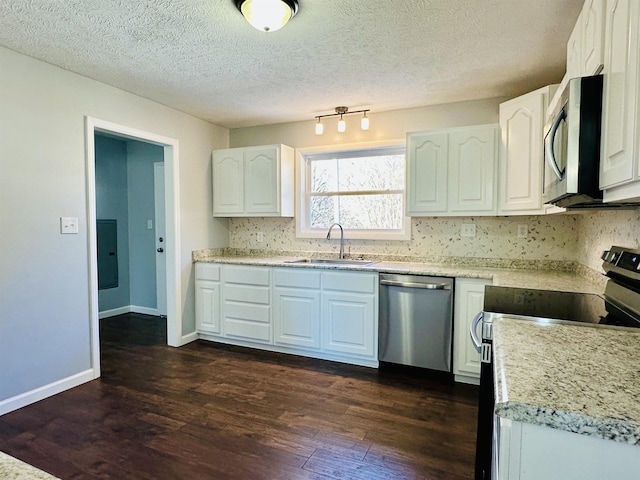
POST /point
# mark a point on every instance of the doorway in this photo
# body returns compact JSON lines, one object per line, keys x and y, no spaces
{"x":166,"y":198}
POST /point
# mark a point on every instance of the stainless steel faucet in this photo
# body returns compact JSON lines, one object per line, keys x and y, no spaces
{"x":341,"y":238}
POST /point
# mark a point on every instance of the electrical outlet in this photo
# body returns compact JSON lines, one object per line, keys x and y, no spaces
{"x":260,"y":237}
{"x":149,"y":224}
{"x":468,"y":230}
{"x":523,"y":231}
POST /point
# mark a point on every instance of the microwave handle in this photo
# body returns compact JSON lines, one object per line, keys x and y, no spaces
{"x":550,"y":140}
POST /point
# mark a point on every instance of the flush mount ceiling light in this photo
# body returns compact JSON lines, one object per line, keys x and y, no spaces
{"x":268,"y":15}
{"x":342,"y":125}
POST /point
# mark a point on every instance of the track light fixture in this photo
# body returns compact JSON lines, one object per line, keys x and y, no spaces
{"x":342,"y":125}
{"x":268,"y":15}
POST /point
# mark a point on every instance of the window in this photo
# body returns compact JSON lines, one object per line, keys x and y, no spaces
{"x":361,"y":189}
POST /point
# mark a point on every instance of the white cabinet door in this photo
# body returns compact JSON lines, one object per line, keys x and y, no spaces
{"x":296,"y":307}
{"x":228,"y":182}
{"x":618,"y":162}
{"x":208,"y":307}
{"x":349,"y":324}
{"x":207,"y":280}
{"x":297,"y":317}
{"x":592,"y":33}
{"x":426,"y":183}
{"x":574,"y":51}
{"x":472,"y":170}
{"x":521,"y":155}
{"x":262,"y":180}
{"x":469,"y":300}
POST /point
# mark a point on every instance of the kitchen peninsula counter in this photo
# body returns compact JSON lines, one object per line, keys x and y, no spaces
{"x":576,"y":378}
{"x":550,"y":279}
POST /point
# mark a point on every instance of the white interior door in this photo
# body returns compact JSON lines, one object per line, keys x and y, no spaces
{"x":161,"y":239}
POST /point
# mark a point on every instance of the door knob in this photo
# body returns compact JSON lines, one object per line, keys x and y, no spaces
{"x":160,"y":250}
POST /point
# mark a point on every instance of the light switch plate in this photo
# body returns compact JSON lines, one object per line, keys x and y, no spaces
{"x":68,"y":225}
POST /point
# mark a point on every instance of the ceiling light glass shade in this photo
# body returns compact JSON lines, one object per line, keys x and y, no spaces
{"x":319,"y":128}
{"x":364,"y":122}
{"x":342,"y":126}
{"x":268,"y":15}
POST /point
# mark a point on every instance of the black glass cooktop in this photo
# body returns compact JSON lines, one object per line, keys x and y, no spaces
{"x":575,"y":307}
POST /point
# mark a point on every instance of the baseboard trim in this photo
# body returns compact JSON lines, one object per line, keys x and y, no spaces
{"x":127,"y":309}
{"x":33,"y":396}
{"x":190,"y":337}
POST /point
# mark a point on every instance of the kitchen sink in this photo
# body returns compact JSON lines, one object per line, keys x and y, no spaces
{"x":330,"y":261}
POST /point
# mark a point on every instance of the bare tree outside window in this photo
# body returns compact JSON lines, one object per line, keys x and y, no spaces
{"x":361,"y":191}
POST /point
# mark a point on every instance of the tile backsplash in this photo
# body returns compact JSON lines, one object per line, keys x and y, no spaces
{"x":549,"y":238}
{"x":601,"y":229}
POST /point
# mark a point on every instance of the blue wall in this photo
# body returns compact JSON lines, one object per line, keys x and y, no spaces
{"x":124,"y":191}
{"x":112,"y":202}
{"x":142,"y":241}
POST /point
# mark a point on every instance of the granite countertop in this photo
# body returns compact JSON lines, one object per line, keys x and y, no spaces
{"x":582,"y":379}
{"x":510,"y":277}
{"x":13,"y":469}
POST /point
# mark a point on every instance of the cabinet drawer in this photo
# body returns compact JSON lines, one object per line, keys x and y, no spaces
{"x":247,"y":275}
{"x":350,"y":282}
{"x":247,"y":311}
{"x":246,"y":294}
{"x":247,"y":330}
{"x":299,"y":278}
{"x":208,"y":271}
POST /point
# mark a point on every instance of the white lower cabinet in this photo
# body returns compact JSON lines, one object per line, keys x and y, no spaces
{"x":296,"y":307}
{"x":321,"y":313}
{"x":528,"y":452}
{"x":349,"y":324}
{"x":469,"y":301}
{"x":208,"y":298}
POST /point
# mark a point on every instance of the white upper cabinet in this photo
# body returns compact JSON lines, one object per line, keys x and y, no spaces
{"x":452,"y":172}
{"x":521,"y":155}
{"x":585,"y":48}
{"x":472,"y":170}
{"x":228,"y":182}
{"x":574,"y":51}
{"x":620,"y":158}
{"x":592,"y":32}
{"x":427,"y":156}
{"x":253,"y":182}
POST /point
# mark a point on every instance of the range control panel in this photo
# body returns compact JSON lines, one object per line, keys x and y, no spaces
{"x":620,"y":258}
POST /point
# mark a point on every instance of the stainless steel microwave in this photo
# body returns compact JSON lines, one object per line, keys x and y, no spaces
{"x":572,"y":145}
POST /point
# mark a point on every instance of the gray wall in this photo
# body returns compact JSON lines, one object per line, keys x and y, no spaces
{"x":44,"y":286}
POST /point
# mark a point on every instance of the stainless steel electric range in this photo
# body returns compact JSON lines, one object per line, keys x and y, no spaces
{"x":618,"y":306}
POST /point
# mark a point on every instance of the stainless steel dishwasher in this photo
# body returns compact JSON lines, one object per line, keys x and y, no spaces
{"x":415,"y":321}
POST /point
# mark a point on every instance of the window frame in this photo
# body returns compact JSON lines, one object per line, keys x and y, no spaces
{"x":302,"y":186}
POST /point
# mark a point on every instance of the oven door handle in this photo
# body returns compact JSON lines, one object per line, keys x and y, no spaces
{"x":473,"y":331}
{"x":550,"y":140}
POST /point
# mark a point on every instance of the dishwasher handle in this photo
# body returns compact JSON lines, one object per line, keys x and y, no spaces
{"x":473,"y":331}
{"x":426,"y":286}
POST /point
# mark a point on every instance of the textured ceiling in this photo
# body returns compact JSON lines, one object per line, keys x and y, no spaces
{"x":202,"y":57}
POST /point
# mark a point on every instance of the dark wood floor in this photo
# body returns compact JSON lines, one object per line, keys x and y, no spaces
{"x":206,"y":411}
